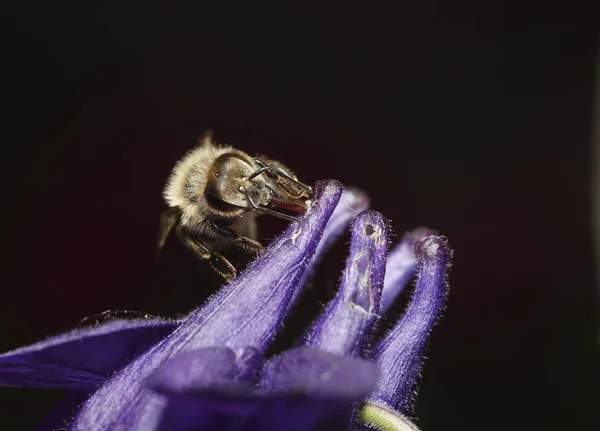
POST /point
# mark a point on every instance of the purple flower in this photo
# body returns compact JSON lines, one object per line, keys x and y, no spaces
{"x":209,"y":371}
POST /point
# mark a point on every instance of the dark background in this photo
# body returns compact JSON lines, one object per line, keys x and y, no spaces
{"x":471,"y":119}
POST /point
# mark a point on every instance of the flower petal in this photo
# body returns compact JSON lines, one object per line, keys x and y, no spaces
{"x":309,"y":384}
{"x":247,"y":312}
{"x":210,"y":369}
{"x":206,"y":387}
{"x":83,"y":358}
{"x":347,"y":324}
{"x":400,"y":354}
{"x":352,"y":203}
{"x":401,"y":265}
{"x":298,"y":388}
{"x":314,"y":373}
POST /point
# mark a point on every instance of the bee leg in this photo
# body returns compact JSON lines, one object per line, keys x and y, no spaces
{"x":244,"y":243}
{"x":217,"y":261}
{"x":249,"y":245}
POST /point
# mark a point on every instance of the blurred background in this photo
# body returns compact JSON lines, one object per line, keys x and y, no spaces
{"x":473,"y":119}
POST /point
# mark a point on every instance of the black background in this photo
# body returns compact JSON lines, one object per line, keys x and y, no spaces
{"x":473,"y":119}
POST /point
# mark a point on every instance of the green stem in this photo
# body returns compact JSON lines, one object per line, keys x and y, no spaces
{"x":384,"y":419}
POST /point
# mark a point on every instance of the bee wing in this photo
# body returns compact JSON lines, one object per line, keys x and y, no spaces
{"x":168,"y":220}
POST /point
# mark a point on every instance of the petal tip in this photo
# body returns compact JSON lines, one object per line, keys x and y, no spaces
{"x":372,"y":222}
{"x":356,"y":198}
{"x":372,"y":225}
{"x":325,"y":187}
{"x":433,"y":248}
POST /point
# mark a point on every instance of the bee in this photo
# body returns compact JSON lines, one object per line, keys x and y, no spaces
{"x":214,"y":195}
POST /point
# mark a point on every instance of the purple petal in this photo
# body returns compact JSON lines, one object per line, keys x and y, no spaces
{"x":298,"y":388}
{"x":346,"y":326}
{"x":205,"y":387}
{"x":314,"y":373}
{"x":352,"y":203}
{"x":247,"y":312}
{"x":210,"y":369}
{"x":400,"y":354}
{"x":401,"y":265}
{"x":83,"y":358}
{"x":310,"y":384}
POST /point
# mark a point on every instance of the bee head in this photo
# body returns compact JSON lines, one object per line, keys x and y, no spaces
{"x":237,"y":182}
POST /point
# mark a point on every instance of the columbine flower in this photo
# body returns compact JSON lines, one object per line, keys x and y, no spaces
{"x":208,"y":371}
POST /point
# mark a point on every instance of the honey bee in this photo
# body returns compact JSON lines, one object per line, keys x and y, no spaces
{"x":214,"y":195}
